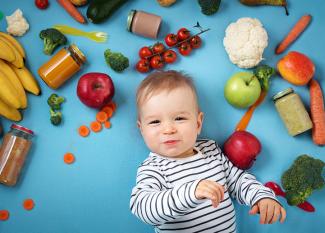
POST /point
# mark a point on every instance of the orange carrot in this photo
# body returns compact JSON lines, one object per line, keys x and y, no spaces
{"x":317,"y":112}
{"x":28,"y":204}
{"x":68,"y":158}
{"x":72,"y":10}
{"x":109,"y":111}
{"x":107,"y":124}
{"x":83,"y":131}
{"x":101,"y":116}
{"x":4,"y":215}
{"x":243,"y":123}
{"x":95,"y":126}
{"x":294,"y":33}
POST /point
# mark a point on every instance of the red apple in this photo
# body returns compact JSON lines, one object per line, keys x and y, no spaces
{"x":95,"y":89}
{"x":242,"y":148}
{"x":296,"y":68}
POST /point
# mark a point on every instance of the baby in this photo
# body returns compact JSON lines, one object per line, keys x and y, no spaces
{"x":181,"y":174}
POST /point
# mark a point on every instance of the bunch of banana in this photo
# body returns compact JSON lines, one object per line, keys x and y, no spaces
{"x":15,"y":78}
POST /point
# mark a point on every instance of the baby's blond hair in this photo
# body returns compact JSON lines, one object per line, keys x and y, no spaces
{"x":163,"y":81}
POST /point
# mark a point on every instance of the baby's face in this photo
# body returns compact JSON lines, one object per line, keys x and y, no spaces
{"x":170,"y":122}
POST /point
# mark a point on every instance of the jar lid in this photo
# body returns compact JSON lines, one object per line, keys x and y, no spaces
{"x":21,"y":128}
{"x":282,"y":93}
{"x":78,"y":52}
{"x":130,"y":19}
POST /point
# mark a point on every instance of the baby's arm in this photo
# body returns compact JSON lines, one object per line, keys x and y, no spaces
{"x":242,"y":185}
{"x":154,"y":203}
{"x":247,"y":190}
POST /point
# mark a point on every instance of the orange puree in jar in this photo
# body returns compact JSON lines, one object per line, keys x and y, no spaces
{"x":13,"y":151}
{"x":62,"y":66}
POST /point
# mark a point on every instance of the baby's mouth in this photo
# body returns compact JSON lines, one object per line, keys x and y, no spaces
{"x":171,"y":142}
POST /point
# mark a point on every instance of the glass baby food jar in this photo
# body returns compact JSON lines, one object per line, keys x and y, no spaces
{"x":143,"y":23}
{"x":62,"y":66}
{"x":15,"y":146}
{"x":292,"y":112}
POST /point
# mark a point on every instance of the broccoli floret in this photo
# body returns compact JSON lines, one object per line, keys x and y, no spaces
{"x":117,"y":61}
{"x":264,"y":73}
{"x":302,"y":178}
{"x":209,"y":7}
{"x":56,"y":117}
{"x":52,"y":38}
{"x":55,"y":101}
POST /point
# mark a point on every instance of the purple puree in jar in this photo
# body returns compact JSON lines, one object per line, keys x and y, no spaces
{"x":144,"y":24}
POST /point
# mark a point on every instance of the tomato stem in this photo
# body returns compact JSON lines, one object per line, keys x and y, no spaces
{"x":179,"y":43}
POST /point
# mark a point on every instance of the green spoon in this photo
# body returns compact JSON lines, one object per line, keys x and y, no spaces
{"x":1,"y":15}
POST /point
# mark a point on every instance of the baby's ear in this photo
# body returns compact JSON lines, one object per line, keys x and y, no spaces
{"x":139,"y":124}
{"x":200,"y":118}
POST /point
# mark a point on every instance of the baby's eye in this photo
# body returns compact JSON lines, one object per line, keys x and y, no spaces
{"x":180,"y":118}
{"x":154,"y":122}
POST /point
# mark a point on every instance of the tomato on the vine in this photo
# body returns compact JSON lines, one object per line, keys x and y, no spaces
{"x":158,"y":47}
{"x":171,"y":39}
{"x":185,"y":48}
{"x":196,"y":42}
{"x":42,"y":4}
{"x":156,"y":62}
{"x":170,"y":56}
{"x":145,"y":52}
{"x":183,"y":34}
{"x":143,"y":66}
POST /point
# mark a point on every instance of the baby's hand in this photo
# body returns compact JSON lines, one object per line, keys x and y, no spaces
{"x":269,"y":210}
{"x":210,"y":190}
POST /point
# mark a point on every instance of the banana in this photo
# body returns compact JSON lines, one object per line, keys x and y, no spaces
{"x":15,"y":42}
{"x":19,"y":60}
{"x":8,"y":93}
{"x":27,"y":80}
{"x":11,"y":75}
{"x":9,"y":112}
{"x":6,"y":52}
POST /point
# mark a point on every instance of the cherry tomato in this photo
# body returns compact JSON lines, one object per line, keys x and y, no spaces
{"x":183,"y":34}
{"x":185,"y":48}
{"x":195,"y":42}
{"x":171,"y":39}
{"x":156,"y":62}
{"x":42,"y":4}
{"x":158,"y":47}
{"x":170,"y":56}
{"x":143,"y":66}
{"x":145,"y":52}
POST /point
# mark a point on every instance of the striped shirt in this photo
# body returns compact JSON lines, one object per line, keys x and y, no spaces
{"x":164,"y":192}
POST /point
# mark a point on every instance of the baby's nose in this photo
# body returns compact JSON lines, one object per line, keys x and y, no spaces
{"x":169,"y":128}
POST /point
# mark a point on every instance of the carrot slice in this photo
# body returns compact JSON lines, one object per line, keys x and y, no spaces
{"x":107,"y":124}
{"x":28,"y":204}
{"x":317,"y":112}
{"x":95,"y":126}
{"x":112,"y":105}
{"x":4,"y":215}
{"x":294,"y":33}
{"x":108,"y":110}
{"x":83,"y":131}
{"x":68,"y":158}
{"x":101,"y":116}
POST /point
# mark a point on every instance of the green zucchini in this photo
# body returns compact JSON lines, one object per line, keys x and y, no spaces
{"x":100,"y":10}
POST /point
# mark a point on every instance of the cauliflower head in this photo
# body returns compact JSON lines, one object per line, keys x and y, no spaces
{"x":17,"y":24}
{"x":245,"y":41}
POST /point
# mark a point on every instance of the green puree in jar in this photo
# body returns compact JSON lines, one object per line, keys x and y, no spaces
{"x":292,"y":112}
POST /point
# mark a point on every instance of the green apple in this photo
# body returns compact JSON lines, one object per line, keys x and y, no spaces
{"x":242,"y":89}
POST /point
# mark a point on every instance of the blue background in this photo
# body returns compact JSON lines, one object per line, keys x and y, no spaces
{"x":92,"y":195}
